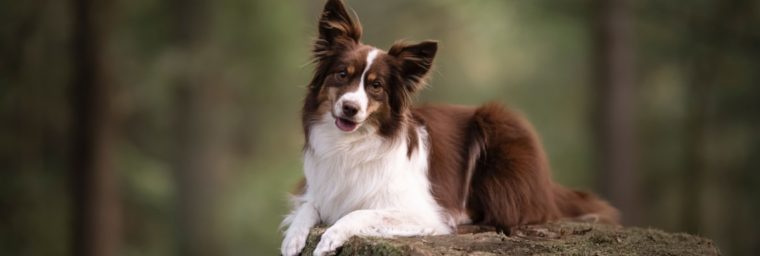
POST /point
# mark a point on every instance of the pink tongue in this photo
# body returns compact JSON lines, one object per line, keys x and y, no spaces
{"x":345,"y":125}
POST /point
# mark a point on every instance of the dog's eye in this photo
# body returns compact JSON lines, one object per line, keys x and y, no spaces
{"x":342,"y":75}
{"x":376,"y":85}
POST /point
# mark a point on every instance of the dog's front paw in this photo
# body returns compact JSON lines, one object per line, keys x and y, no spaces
{"x":331,"y":240}
{"x":294,"y":242}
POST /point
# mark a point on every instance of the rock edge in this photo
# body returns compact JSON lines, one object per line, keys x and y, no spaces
{"x":557,"y":238}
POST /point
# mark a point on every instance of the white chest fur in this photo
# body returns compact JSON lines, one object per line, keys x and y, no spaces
{"x":361,"y":170}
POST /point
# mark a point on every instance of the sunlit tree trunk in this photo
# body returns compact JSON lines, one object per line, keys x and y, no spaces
{"x":96,"y":208}
{"x":613,"y":109}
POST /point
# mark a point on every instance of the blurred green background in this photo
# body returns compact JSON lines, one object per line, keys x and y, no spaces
{"x":172,"y":127}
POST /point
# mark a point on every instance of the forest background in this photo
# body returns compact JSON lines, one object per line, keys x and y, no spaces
{"x":172,"y":127}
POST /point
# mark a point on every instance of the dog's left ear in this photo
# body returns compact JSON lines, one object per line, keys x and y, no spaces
{"x":414,"y":60}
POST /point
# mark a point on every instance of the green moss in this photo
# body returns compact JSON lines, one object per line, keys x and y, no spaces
{"x":363,"y":247}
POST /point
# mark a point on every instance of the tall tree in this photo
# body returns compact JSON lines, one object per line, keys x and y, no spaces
{"x":613,"y":106}
{"x":96,"y":211}
{"x":702,"y":75}
{"x":197,"y":151}
{"x":719,"y":35}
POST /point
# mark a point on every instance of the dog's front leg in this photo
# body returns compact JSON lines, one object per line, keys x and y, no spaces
{"x":301,"y":220}
{"x":376,"y":223}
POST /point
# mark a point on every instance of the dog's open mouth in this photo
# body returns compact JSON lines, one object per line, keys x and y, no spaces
{"x":345,"y":124}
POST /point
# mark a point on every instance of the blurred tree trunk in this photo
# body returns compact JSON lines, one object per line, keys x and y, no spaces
{"x":197,"y":155}
{"x":613,"y":106}
{"x":702,"y":71}
{"x":713,"y":34}
{"x":96,"y":208}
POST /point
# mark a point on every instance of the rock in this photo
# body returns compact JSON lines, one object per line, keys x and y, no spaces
{"x":558,"y":238}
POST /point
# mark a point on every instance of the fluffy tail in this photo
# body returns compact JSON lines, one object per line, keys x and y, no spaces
{"x":584,"y":206}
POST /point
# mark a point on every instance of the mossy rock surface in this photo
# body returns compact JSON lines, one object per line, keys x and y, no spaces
{"x":559,"y":238}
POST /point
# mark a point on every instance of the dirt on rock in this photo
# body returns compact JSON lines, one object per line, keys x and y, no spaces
{"x":558,"y":238}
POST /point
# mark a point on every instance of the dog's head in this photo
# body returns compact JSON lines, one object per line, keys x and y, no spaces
{"x":357,"y":85}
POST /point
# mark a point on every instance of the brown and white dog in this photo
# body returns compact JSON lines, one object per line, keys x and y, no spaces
{"x":376,"y":165}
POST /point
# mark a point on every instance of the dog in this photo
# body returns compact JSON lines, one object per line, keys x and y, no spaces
{"x":376,"y":165}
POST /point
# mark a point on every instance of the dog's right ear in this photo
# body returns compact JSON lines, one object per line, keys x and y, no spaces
{"x":336,"y":29}
{"x":337,"y":32}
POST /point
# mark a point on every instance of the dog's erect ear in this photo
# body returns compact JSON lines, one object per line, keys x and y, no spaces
{"x":336,"y":28}
{"x":415,"y":60}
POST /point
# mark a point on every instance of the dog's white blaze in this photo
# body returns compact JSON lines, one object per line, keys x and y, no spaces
{"x":359,"y":95}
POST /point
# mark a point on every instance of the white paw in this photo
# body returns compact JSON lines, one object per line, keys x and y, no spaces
{"x":331,"y":240}
{"x":294,"y":242}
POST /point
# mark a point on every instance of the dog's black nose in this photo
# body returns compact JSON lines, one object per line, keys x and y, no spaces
{"x":350,"y":108}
